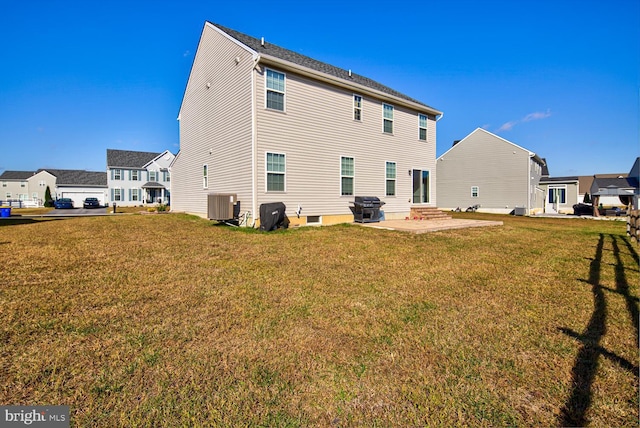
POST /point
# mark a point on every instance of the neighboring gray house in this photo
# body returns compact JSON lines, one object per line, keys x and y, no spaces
{"x":487,"y":170}
{"x":138,"y":178}
{"x":271,"y":125}
{"x":561,"y":194}
{"x":29,"y":187}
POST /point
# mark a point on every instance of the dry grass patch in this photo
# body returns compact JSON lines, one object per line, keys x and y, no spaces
{"x":170,"y":320}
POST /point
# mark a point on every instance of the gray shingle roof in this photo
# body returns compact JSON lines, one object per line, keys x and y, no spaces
{"x":305,"y":61}
{"x":128,"y":158}
{"x":620,"y":183}
{"x":16,"y":175}
{"x":74,"y":177}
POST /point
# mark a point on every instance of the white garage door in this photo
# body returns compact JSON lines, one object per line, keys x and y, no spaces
{"x":79,"y":197}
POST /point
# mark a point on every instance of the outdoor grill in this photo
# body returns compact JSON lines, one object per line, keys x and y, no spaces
{"x":366,"y":209}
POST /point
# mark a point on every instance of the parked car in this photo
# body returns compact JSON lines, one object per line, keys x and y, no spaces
{"x":91,"y":203}
{"x":582,"y":209}
{"x":63,"y":203}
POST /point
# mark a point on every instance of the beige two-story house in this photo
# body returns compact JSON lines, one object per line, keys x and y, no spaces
{"x":496,"y":175}
{"x":271,"y":125}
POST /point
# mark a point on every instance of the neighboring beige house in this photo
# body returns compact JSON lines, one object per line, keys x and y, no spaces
{"x":28,"y":188}
{"x":487,"y":170}
{"x":271,"y":125}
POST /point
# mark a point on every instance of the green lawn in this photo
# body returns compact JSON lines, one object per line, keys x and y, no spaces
{"x":170,"y":320}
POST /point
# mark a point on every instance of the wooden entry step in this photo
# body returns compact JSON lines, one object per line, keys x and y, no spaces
{"x":428,"y":213}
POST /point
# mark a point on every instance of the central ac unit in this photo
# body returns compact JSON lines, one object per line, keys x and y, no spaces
{"x":222,"y":206}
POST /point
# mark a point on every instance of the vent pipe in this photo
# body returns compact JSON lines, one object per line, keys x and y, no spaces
{"x":262,"y":41}
{"x":349,"y":72}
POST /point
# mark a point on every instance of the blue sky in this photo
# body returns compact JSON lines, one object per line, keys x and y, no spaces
{"x":557,"y":77}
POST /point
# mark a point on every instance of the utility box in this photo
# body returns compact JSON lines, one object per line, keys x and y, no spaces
{"x":519,"y":211}
{"x":222,"y":206}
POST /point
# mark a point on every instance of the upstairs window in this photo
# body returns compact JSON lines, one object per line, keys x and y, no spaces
{"x":387,"y":118}
{"x":422,"y":119}
{"x":116,"y":174}
{"x":275,"y":90}
{"x":357,"y":108}
{"x":135,"y":175}
{"x":153,"y":175}
{"x":475,"y":191}
{"x":275,"y":172}
{"x":166,"y":176}
{"x":391,"y":179}
{"x":23,"y":184}
{"x":347,"y":176}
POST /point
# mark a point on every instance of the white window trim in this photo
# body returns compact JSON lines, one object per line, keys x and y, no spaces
{"x":137,"y":172}
{"x":266,"y":90}
{"x":395,"y":179}
{"x":477,"y":191}
{"x":205,"y":177}
{"x":359,"y":108}
{"x":393,"y":109}
{"x":267,"y":172}
{"x":117,"y":171}
{"x":425,"y":127}
{"x":348,"y":176}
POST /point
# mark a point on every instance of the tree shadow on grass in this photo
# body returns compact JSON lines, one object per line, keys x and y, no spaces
{"x":586,"y":364}
{"x":15,"y":221}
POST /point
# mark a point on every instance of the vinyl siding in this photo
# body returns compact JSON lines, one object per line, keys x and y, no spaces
{"x":317,"y":128}
{"x":215,"y":126}
{"x":499,"y":168}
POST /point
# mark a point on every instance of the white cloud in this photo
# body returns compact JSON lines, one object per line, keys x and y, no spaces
{"x":538,"y":115}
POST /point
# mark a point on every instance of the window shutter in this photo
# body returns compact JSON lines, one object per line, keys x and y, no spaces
{"x":112,"y":189}
{"x":129,"y":194}
{"x":112,"y":179}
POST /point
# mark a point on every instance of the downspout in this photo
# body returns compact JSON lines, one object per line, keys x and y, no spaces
{"x":254,"y":148}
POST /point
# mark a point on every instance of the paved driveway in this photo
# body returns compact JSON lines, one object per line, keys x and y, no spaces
{"x":76,"y":212}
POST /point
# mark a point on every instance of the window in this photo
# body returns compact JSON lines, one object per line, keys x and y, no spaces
{"x":475,"y":191}
{"x":357,"y":107}
{"x":116,"y":174}
{"x":391,"y":178}
{"x":8,"y":195}
{"x":275,"y":90}
{"x":117,"y":194}
{"x":205,"y":176}
{"x":23,"y":184}
{"x":422,"y":119}
{"x":134,"y":194}
{"x":4,"y":184}
{"x":347,"y":172}
{"x":166,"y":176}
{"x":153,"y":175}
{"x":42,"y":183}
{"x":135,"y":175}
{"x":275,"y":172}
{"x":387,"y":118}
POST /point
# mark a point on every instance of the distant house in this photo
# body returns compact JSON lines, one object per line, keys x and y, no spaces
{"x":585,"y":187}
{"x":561,"y":194}
{"x":138,"y":178}
{"x":29,"y":187}
{"x":487,"y":170}
{"x":623,"y":189}
{"x":271,"y":125}
{"x":15,"y":186}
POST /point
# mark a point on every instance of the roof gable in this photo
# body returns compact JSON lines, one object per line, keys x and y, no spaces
{"x":477,"y":131}
{"x":129,"y":159}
